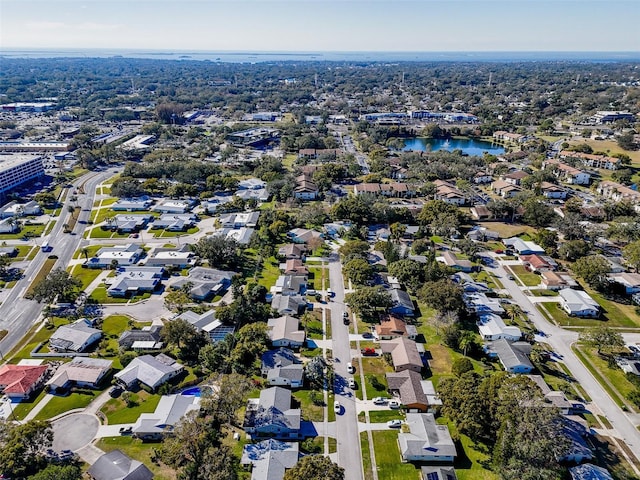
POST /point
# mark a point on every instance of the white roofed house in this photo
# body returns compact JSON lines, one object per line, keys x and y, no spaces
{"x":290,"y":285}
{"x":288,"y":304}
{"x":81,"y":371}
{"x":285,"y":332}
{"x":170,"y":257}
{"x":75,"y":337}
{"x":578,"y":303}
{"x":149,"y":371}
{"x":630,"y":281}
{"x":132,"y":204}
{"x":514,"y":356}
{"x":15,"y":209}
{"x":206,"y":322}
{"x":123,"y":254}
{"x":128,"y":223}
{"x":174,"y":206}
{"x":170,"y":409}
{"x":270,"y":459}
{"x":271,"y":415}
{"x":492,"y":327}
{"x":131,"y":281}
{"x":426,"y":441}
{"x":239,"y":220}
{"x":204,"y":282}
{"x":174,"y":222}
{"x":523,"y":247}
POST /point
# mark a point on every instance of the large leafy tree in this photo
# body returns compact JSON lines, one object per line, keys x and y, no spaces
{"x":366,"y":301}
{"x":593,"y":269}
{"x":315,"y":467}
{"x":220,"y":252}
{"x":443,"y":296}
{"x":22,"y":446}
{"x":602,"y":338}
{"x":58,"y":284}
{"x":632,"y":254}
{"x":358,"y":271}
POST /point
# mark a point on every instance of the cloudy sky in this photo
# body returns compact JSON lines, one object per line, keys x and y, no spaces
{"x":323,"y":25}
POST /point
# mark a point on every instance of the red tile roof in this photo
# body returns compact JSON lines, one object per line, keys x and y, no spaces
{"x":20,"y":378}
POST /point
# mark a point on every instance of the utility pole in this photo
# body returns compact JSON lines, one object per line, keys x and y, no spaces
{"x":490,"y":73}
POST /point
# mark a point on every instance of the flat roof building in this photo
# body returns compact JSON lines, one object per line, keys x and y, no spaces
{"x":18,"y":169}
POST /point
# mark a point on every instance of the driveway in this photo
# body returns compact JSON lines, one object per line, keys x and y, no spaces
{"x":74,"y":431}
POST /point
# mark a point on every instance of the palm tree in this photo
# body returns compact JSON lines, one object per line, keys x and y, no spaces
{"x":467,"y":339}
{"x":85,"y":252}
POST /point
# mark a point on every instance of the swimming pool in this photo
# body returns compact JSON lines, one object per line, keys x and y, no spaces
{"x":191,"y":392}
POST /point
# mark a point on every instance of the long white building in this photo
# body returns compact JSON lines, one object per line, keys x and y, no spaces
{"x":18,"y":169}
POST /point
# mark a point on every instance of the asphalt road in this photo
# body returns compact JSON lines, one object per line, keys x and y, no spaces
{"x":17,"y":314}
{"x":347,"y":434}
{"x":350,"y":147}
{"x":74,"y":431}
{"x":561,"y":341}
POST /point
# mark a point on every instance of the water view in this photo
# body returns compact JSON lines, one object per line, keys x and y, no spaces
{"x":467,"y":145}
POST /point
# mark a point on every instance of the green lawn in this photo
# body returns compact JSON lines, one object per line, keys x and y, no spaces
{"x":25,"y":231}
{"x":526,"y":277}
{"x":374,"y":369}
{"x":136,"y":449}
{"x":23,"y":408}
{"x":23,"y":350}
{"x":314,"y":327}
{"x":85,"y":275}
{"x":100,"y":296}
{"x":612,"y":316}
{"x":471,"y":459}
{"x":58,"y":405}
{"x":169,"y":234}
{"x":388,"y":460}
{"x":507,"y":230}
{"x":92,"y":250}
{"x":486,"y":277}
{"x":98,"y":232}
{"x":379,"y":416}
{"x":270,"y":272}
{"x":310,"y":411}
{"x":117,"y":412}
{"x":544,"y":293}
{"x":366,"y":455}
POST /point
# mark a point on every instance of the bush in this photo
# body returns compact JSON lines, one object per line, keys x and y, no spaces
{"x":461,"y":366}
{"x":375,"y":383}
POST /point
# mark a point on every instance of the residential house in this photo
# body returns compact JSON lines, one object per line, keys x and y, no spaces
{"x":479,"y":303}
{"x":15,"y":209}
{"x":578,"y":450}
{"x":557,"y":280}
{"x":290,"y":285}
{"x":482,"y":177}
{"x":170,"y":409}
{"x":568,"y":174}
{"x":514,"y":178}
{"x":288,"y":304}
{"x":132,"y":204}
{"x":206,"y":322}
{"x":252,"y":184}
{"x":285,"y":332}
{"x":290,"y":376}
{"x":402,"y":303}
{"x":128,"y":223}
{"x":508,"y":137}
{"x":9,"y":251}
{"x":291,"y":251}
{"x":9,"y":225}
{"x":149,"y":371}
{"x":18,"y":382}
{"x":170,"y":257}
{"x":281,"y":357}
{"x":630,"y":281}
{"x":294,"y":266}
{"x":451,"y":260}
{"x":241,"y":235}
{"x":404,"y":354}
{"x":468,"y":284}
{"x":538,"y":263}
{"x":270,"y":458}
{"x":305,"y":188}
{"x":523,"y":247}
{"x":174,"y":206}
{"x":426,"y":441}
{"x":618,"y":192}
{"x":481,"y":213}
{"x":592,"y":160}
{"x":115,"y":465}
{"x":628,"y":365}
{"x":271,"y":415}
{"x":589,"y":471}
{"x":615,"y":264}
{"x":75,"y":337}
{"x":492,"y":327}
{"x":203,"y":283}
{"x":147,"y":338}
{"x":133,"y":280}
{"x":438,"y":473}
{"x":239,"y":220}
{"x":549,"y":190}
{"x":449,"y":193}
{"x":393,"y":327}
{"x":84,"y":372}
{"x":174,"y":222}
{"x":578,"y":303}
{"x":303,"y":235}
{"x":505,"y":189}
{"x":514,"y":356}
{"x":128,"y":254}
{"x":408,"y":387}
{"x":482,"y":234}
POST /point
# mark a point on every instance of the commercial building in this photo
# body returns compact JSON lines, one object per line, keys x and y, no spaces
{"x":18,"y":169}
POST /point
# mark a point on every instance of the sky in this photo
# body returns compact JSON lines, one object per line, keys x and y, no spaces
{"x":322,"y":25}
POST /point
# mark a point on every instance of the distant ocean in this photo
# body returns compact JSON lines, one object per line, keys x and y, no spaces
{"x":256,"y":57}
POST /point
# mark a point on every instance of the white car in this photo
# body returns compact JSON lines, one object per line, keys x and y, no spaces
{"x":394,"y":423}
{"x":337,"y":407}
{"x":379,"y":401}
{"x":394,"y":404}
{"x":351,"y":368}
{"x":352,"y":384}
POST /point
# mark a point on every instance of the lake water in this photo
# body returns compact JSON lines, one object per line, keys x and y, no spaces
{"x":467,"y":145}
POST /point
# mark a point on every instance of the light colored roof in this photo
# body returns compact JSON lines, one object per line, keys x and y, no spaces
{"x":80,"y":369}
{"x":491,"y":325}
{"x":115,"y":465}
{"x":169,"y":411}
{"x":73,"y":336}
{"x":403,"y":352}
{"x":425,"y":437}
{"x":270,"y":458}
{"x":588,"y":471}
{"x":285,"y":328}
{"x":511,"y":354}
{"x":578,"y":300}
{"x":148,"y":370}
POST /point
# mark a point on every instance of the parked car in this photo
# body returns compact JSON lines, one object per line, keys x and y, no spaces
{"x":394,"y":404}
{"x":367,"y":335}
{"x":498,"y":250}
{"x":337,"y":407}
{"x":125,"y":430}
{"x":511,"y":277}
{"x":368,"y":352}
{"x":352,"y":384}
{"x":380,"y":400}
{"x":351,"y":368}
{"x":394,"y":423}
{"x":115,"y":391}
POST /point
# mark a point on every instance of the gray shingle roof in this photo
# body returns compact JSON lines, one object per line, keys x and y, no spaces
{"x":115,"y":465}
{"x":270,"y":458}
{"x":425,"y":436}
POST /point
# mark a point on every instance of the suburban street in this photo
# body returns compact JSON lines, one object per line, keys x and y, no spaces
{"x":347,"y":433}
{"x":561,"y":340}
{"x":18,"y":314}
